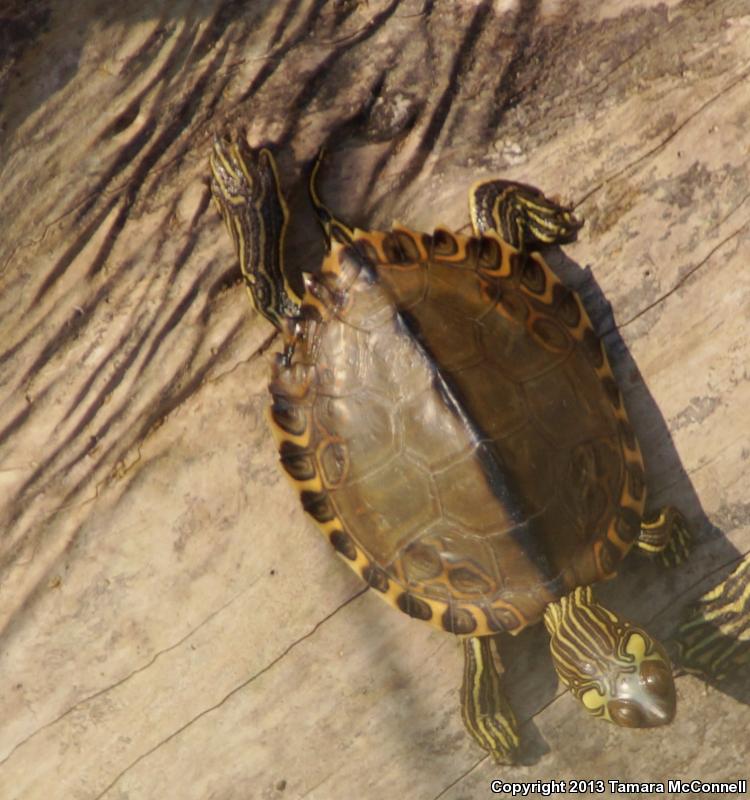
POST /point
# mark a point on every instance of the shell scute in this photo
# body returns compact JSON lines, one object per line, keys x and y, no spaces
{"x":414,"y":606}
{"x":359,"y":435}
{"x":533,"y":276}
{"x":566,"y":306}
{"x":458,"y":621}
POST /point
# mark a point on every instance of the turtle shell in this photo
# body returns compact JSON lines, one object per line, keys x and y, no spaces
{"x":452,"y":424}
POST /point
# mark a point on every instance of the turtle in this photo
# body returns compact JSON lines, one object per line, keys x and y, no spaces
{"x":451,"y":423}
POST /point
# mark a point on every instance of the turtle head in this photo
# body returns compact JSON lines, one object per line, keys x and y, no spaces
{"x":616,"y":669}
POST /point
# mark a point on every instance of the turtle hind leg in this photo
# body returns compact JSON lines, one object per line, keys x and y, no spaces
{"x":665,"y":533}
{"x":484,"y":707}
{"x":715,"y":638}
{"x":521,"y":214}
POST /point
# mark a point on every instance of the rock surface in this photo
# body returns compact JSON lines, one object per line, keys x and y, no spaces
{"x":172,"y":625}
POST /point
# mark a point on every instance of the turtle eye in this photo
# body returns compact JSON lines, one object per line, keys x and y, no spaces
{"x":656,"y":677}
{"x":625,"y":713}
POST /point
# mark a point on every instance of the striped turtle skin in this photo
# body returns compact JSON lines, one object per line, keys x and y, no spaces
{"x":714,"y":639}
{"x":451,"y":423}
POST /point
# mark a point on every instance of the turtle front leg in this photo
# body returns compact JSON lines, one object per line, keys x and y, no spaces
{"x":521,"y":214}
{"x":665,"y":533}
{"x":484,"y":707}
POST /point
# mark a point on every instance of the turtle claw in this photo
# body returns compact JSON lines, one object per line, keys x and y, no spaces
{"x":680,"y":543}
